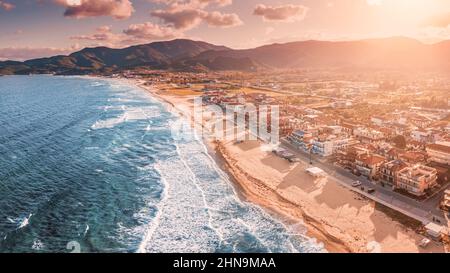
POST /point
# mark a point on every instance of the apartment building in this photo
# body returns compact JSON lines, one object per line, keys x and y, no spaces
{"x":389,"y":171}
{"x":439,"y":152}
{"x":322,"y":148}
{"x":417,"y":179}
{"x":369,"y":165}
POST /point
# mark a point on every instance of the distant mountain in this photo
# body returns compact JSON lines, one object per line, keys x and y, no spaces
{"x":187,"y":55}
{"x":159,"y":55}
{"x":390,"y":53}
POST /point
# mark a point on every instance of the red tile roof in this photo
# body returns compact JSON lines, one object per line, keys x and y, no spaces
{"x":439,"y":148}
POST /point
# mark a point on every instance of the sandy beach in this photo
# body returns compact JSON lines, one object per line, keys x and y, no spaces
{"x":342,"y":220}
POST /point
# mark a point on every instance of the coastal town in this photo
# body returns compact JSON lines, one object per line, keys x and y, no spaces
{"x":386,"y":138}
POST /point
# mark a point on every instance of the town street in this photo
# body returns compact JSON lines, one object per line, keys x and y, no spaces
{"x":422,"y":211}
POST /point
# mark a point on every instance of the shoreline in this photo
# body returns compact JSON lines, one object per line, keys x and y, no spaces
{"x":356,"y":225}
{"x":244,"y":191}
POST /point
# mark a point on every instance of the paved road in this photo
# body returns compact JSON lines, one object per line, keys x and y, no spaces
{"x":422,"y":211}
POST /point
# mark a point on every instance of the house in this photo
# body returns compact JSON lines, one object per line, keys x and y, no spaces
{"x":417,"y":179}
{"x":413,"y":157}
{"x":369,"y":165}
{"x":439,"y":152}
{"x":389,"y":171}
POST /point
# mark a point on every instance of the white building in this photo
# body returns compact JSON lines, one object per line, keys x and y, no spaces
{"x":367,"y":135}
{"x":421,"y":135}
{"x":439,"y":152}
{"x":322,"y":148}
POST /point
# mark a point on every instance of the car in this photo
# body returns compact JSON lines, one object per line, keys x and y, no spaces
{"x":294,"y":160}
{"x":356,"y":184}
{"x":424,"y":243}
{"x":370,"y":190}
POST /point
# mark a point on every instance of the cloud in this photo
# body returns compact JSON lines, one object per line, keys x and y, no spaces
{"x":179,"y":18}
{"x":133,"y":34}
{"x":186,"y":17}
{"x":218,"y":19}
{"x":118,"y":9}
{"x":194,"y":3}
{"x":6,"y":6}
{"x":27,"y":53}
{"x":150,"y":31}
{"x":102,"y":36}
{"x":440,"y":21}
{"x":283,"y":13}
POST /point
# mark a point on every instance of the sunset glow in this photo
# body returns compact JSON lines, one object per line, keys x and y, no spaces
{"x":73,"y":24}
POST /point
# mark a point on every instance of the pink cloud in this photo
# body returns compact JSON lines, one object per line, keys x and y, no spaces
{"x":27,"y":53}
{"x":133,"y":34}
{"x":218,"y":19}
{"x":283,"y":13}
{"x":6,"y":6}
{"x":150,"y":31}
{"x":182,"y":17}
{"x":194,"y":3}
{"x":118,"y":9}
{"x":179,"y":18}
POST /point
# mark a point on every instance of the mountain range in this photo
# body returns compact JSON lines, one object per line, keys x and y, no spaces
{"x":187,"y":55}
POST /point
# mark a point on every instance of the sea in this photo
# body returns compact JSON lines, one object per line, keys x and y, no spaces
{"x":95,"y":165}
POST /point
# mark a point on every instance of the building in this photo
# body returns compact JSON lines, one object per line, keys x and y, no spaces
{"x":301,"y":139}
{"x":417,"y":179}
{"x":316,"y":172}
{"x":446,"y":200}
{"x":341,"y":144}
{"x":439,"y":152}
{"x":421,"y":135}
{"x":369,"y":165}
{"x":377,"y":120}
{"x":366,"y":135}
{"x":348,"y":127}
{"x":389,"y":171}
{"x":413,"y":157}
{"x":322,"y":148}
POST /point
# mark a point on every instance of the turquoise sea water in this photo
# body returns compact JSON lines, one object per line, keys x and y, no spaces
{"x":94,"y":162}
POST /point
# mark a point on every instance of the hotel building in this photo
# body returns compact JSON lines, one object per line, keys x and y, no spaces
{"x":417,"y":179}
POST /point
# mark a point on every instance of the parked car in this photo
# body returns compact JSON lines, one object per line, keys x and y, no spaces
{"x":294,"y":159}
{"x":356,"y":184}
{"x":370,"y":190}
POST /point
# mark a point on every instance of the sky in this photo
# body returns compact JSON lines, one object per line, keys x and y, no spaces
{"x":39,"y":28}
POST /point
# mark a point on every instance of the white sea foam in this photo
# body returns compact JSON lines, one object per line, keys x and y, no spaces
{"x":86,"y":230}
{"x":201,"y":212}
{"x":155,"y":222}
{"x":198,"y":210}
{"x":25,"y":221}
{"x":37,"y":245}
{"x":129,"y":114}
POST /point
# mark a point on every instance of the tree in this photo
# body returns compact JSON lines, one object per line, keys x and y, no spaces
{"x":399,"y":141}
